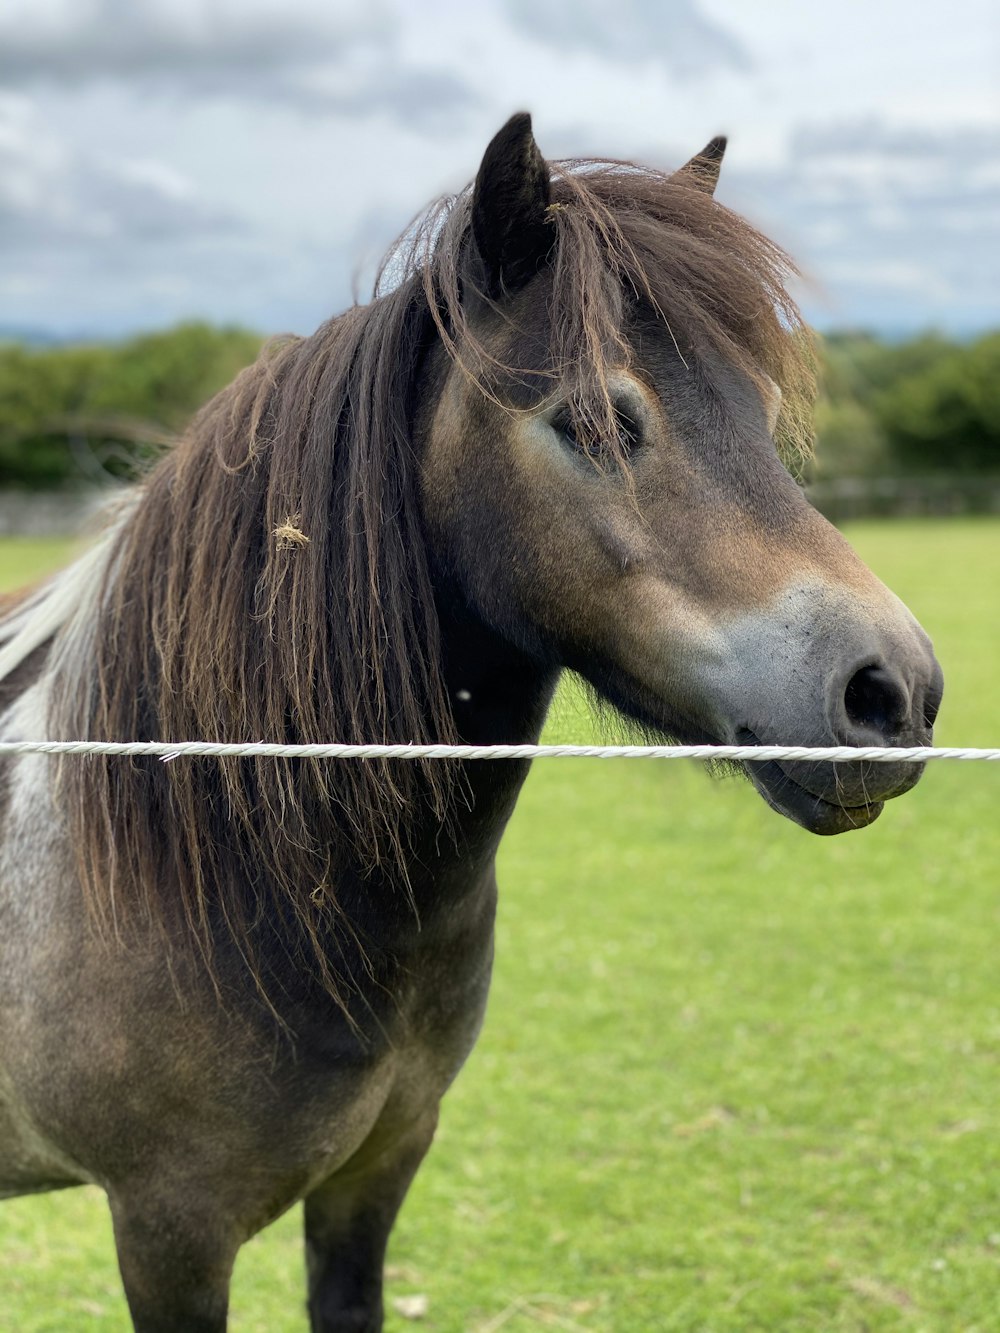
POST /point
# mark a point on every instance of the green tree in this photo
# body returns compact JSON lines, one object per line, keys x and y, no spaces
{"x":70,"y":414}
{"x":947,"y":418}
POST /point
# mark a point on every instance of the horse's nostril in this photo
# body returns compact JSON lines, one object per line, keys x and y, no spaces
{"x":875,"y":701}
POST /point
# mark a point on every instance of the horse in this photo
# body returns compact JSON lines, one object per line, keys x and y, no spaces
{"x":556,"y":438}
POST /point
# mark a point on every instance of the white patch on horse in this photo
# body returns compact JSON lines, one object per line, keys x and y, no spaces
{"x":30,"y":814}
{"x":33,"y":836}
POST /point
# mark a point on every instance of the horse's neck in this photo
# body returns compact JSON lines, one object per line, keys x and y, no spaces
{"x":499,"y":694}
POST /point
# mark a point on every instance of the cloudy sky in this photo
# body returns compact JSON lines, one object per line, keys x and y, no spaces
{"x":249,"y":160}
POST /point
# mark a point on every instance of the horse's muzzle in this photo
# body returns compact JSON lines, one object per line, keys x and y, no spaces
{"x":878,"y":706}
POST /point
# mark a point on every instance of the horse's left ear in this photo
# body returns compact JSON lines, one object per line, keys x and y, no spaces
{"x":703,"y":169}
{"x":509,"y":202}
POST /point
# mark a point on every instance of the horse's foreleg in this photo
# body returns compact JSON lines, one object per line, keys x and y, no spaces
{"x":347,"y":1221}
{"x":176,"y":1265}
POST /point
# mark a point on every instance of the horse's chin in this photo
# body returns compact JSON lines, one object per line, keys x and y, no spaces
{"x":792,"y":800}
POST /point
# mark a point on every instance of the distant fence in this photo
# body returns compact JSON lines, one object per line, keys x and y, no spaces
{"x":49,"y":513}
{"x":905,"y":497}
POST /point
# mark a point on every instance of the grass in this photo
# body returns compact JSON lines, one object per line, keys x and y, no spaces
{"x":733,"y":1077}
{"x":25,"y":559}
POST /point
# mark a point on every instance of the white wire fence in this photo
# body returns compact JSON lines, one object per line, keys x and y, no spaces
{"x":167,"y":750}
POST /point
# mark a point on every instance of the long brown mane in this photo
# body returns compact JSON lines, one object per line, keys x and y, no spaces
{"x":273,"y":582}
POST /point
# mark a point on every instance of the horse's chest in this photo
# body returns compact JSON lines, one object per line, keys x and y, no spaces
{"x":445,"y":996}
{"x":442,"y":978}
{"x":421,"y":1036}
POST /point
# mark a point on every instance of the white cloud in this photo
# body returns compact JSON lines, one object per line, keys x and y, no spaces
{"x":889,"y":220}
{"x":313,"y":56}
{"x":133,"y":40}
{"x":241,"y":158}
{"x":674,"y":33}
{"x":53,"y":193}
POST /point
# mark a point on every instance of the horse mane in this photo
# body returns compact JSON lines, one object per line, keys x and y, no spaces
{"x":270,"y":580}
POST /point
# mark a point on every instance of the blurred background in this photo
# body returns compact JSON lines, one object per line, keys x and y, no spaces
{"x":180,"y":178}
{"x":731,"y":1078}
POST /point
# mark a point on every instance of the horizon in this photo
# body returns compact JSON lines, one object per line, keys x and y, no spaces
{"x":41,"y":337}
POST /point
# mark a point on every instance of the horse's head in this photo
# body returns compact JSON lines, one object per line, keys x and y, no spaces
{"x":601,"y":471}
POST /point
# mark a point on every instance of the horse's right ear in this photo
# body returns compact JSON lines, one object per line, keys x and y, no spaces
{"x":509,"y":201}
{"x":702,"y":171}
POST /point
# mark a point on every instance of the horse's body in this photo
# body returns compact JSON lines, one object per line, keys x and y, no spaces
{"x":228,"y":987}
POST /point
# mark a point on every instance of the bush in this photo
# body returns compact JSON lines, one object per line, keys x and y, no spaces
{"x":947,"y":418}
{"x":922,"y":406}
{"x":74,"y":414}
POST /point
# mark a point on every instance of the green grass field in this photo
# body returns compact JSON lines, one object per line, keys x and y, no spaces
{"x":733,"y":1077}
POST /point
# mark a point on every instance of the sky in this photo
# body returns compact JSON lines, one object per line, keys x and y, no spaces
{"x":249,"y":161}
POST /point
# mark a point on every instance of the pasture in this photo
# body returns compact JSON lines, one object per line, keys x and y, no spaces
{"x":733,"y":1077}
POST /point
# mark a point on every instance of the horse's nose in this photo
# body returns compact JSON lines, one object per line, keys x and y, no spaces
{"x":875,"y":699}
{"x":884,"y":704}
{"x":879,"y":700}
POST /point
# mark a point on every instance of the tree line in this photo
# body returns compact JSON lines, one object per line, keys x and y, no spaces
{"x":77,"y":414}
{"x":922,"y":407}
{"x":83,"y":413}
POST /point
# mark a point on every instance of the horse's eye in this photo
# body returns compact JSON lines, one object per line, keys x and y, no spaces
{"x":567,"y":429}
{"x":628,"y":436}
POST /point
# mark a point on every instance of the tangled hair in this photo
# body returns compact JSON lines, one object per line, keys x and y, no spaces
{"x":272,"y":581}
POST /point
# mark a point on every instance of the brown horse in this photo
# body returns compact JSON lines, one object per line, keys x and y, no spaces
{"x":226,"y":986}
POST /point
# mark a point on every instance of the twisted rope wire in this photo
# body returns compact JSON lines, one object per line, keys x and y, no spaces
{"x":167,"y":750}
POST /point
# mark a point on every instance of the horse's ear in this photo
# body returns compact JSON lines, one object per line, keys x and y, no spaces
{"x":703,"y":169}
{"x":509,"y":201}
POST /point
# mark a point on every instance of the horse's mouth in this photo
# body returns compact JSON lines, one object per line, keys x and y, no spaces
{"x":874,"y":784}
{"x":782,"y":792}
{"x":795,"y":802}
